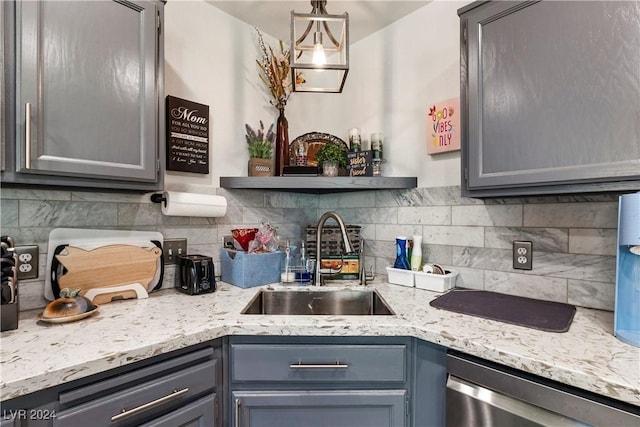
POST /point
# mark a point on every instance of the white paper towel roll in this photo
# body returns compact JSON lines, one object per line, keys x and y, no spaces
{"x":190,"y":204}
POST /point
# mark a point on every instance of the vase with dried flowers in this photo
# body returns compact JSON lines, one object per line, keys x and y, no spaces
{"x":274,"y":71}
{"x":260,"y":145}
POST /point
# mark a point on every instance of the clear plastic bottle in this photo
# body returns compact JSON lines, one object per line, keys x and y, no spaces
{"x":416,"y":254}
{"x":287,"y":275}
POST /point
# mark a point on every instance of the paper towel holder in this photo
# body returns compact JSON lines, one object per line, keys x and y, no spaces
{"x":190,"y":204}
{"x":159,"y":198}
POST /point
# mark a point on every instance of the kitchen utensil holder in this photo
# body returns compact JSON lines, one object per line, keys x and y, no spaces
{"x":435,"y":282}
{"x":246,"y":270}
{"x":9,"y":313}
{"x":427,"y":281}
{"x":399,"y":276}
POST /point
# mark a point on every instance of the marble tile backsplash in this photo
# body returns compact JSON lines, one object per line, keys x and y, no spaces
{"x":574,"y":237}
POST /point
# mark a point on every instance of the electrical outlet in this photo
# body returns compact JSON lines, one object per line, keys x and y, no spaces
{"x":171,"y":248}
{"x":522,"y":255}
{"x":27,"y":261}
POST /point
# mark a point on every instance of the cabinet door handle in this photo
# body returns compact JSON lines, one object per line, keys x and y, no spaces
{"x":301,"y":365}
{"x":27,"y":135}
{"x":129,"y":412}
{"x":236,"y":405}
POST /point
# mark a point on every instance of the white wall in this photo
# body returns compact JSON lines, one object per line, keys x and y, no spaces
{"x":394,"y":75}
{"x":210,"y":58}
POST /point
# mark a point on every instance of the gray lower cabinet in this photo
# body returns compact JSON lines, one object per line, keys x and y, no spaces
{"x":8,"y":422}
{"x":335,"y":382}
{"x":136,"y":402}
{"x":320,"y":408}
{"x":85,"y":102}
{"x":200,"y":413}
{"x":550,"y":94}
{"x":166,"y":391}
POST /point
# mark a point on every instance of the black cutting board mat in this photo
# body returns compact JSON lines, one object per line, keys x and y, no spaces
{"x":532,"y":313}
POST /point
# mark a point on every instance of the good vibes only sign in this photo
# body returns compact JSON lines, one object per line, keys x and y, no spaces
{"x":443,"y":126}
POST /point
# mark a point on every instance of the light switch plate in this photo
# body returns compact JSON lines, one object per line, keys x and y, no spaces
{"x":171,"y":248}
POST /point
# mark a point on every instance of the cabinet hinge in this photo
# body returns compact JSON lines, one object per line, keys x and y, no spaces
{"x":466,"y":174}
{"x":464,"y":34}
{"x":158,"y":23}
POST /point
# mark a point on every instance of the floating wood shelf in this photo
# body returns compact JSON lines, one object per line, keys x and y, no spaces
{"x":318,"y":184}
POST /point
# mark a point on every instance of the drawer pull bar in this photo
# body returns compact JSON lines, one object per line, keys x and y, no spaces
{"x":129,"y":412}
{"x":27,"y":135}
{"x":301,"y":365}
{"x":236,"y":422}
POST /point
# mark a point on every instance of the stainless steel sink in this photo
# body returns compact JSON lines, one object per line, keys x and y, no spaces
{"x":344,"y":302}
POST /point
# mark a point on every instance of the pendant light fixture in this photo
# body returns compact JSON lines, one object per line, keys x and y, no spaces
{"x":320,"y":50}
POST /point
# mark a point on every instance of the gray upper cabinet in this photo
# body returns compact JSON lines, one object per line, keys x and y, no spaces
{"x":3,"y":113}
{"x":88,"y":94}
{"x":551,"y":97}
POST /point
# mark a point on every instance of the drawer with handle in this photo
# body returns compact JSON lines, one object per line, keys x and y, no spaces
{"x":144,"y":398}
{"x":320,"y":363}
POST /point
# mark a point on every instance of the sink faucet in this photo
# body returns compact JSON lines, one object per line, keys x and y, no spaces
{"x":345,"y":238}
{"x":363,"y":272}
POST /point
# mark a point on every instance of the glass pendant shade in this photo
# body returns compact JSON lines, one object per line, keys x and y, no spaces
{"x":319,"y":57}
{"x":320,"y":50}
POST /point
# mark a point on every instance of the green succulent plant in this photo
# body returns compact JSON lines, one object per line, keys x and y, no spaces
{"x":332,"y":153}
{"x":260,"y":144}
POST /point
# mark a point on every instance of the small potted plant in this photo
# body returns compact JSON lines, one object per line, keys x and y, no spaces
{"x":260,"y":145}
{"x":331,"y":158}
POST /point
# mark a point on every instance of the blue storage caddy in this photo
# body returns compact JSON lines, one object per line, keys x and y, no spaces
{"x":246,"y":270}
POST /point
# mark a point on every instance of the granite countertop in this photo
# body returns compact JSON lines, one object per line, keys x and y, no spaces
{"x":39,"y":355}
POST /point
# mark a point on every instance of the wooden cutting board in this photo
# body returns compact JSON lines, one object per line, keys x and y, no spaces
{"x":106,"y":266}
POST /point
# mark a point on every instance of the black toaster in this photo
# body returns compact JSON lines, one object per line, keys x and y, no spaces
{"x":195,"y":274}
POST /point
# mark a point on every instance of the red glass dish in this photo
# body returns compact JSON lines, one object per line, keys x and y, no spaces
{"x":243,"y":236}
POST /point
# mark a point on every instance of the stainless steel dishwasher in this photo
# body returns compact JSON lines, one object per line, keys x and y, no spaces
{"x":481,"y":393}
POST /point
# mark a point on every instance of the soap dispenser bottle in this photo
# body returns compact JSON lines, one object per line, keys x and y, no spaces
{"x":416,"y":254}
{"x":401,"y":254}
